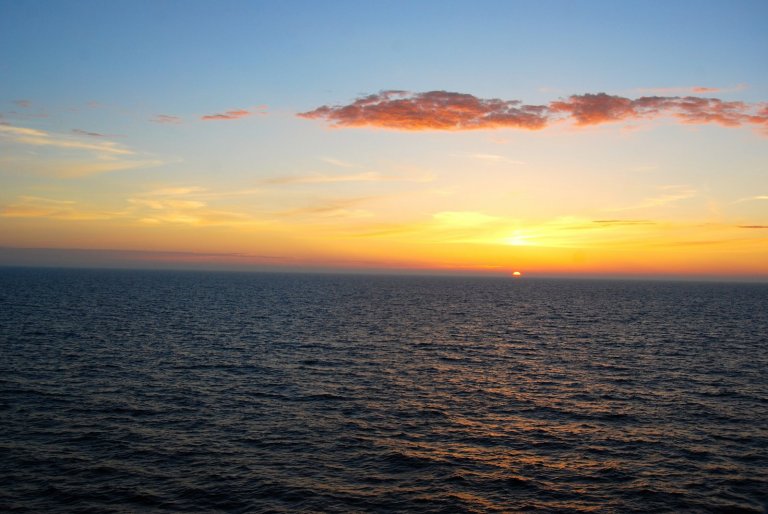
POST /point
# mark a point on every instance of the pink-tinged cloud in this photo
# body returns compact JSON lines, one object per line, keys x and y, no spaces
{"x":690,"y":90}
{"x":442,"y":110}
{"x":702,"y":89}
{"x":22,"y":103}
{"x":433,"y":110}
{"x":593,"y":109}
{"x":166,"y":118}
{"x":229,"y":115}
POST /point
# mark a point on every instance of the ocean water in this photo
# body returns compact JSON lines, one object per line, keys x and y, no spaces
{"x":126,"y":391}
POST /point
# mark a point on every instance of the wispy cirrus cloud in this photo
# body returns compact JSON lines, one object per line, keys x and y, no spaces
{"x":346,"y":208}
{"x":170,"y":206}
{"x":368,"y":176}
{"x":29,"y":136}
{"x":81,"y":132}
{"x":174,"y":191}
{"x":167,"y":119}
{"x":620,"y":222}
{"x":40,"y":207}
{"x":183,"y":206}
{"x":752,"y":198}
{"x":689,"y":90}
{"x":443,"y":110}
{"x":83,"y":168}
{"x":491,"y":158}
{"x":337,"y":162}
{"x":235,"y":114}
{"x":702,"y":89}
{"x":74,"y":156}
{"x":229,"y":115}
{"x":667,"y":194}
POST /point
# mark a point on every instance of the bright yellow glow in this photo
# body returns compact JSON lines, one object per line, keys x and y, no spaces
{"x":518,"y":240}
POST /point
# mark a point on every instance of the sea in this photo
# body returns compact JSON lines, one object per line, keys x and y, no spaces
{"x":154,"y":391}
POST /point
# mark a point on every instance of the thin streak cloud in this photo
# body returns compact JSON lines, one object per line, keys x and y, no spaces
{"x":690,"y":90}
{"x":167,"y":119}
{"x":367,"y":176}
{"x":752,"y":199}
{"x":40,"y":207}
{"x":81,"y":132}
{"x":234,"y":114}
{"x":36,"y":137}
{"x":328,"y":179}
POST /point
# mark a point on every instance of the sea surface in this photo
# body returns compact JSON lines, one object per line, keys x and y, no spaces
{"x":142,"y":391}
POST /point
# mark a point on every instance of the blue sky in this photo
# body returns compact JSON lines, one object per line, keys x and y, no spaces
{"x":174,"y":55}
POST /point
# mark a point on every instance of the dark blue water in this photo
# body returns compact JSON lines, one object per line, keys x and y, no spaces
{"x":125,"y":391}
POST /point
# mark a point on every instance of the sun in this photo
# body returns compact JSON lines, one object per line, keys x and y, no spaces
{"x":516,"y":274}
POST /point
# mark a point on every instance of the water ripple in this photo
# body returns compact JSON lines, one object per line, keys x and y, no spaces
{"x":198,"y":392}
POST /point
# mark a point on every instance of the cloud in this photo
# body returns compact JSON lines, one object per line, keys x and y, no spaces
{"x":85,"y":168}
{"x":11,"y":131}
{"x":490,"y":158}
{"x":80,"y":132}
{"x":100,"y":156}
{"x":369,"y":176}
{"x":39,"y":207}
{"x":593,"y":109}
{"x":433,"y":110}
{"x":167,"y":204}
{"x":701,"y":89}
{"x":166,"y":119}
{"x":330,"y":208}
{"x":366,"y":176}
{"x":22,"y":103}
{"x":752,"y":198}
{"x":154,"y":207}
{"x":615,"y":223}
{"x":170,"y":198}
{"x":36,"y":137}
{"x":443,"y":110}
{"x":174,"y":191}
{"x":690,"y":90}
{"x":174,"y":205}
{"x":753,"y":226}
{"x":229,"y":115}
{"x":463,"y":218}
{"x":668,"y":194}
{"x":337,"y":162}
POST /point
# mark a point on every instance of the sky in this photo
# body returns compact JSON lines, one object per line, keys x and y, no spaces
{"x":546,"y":137}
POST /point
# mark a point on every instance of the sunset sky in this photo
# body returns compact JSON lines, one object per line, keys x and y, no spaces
{"x":551,"y":138}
